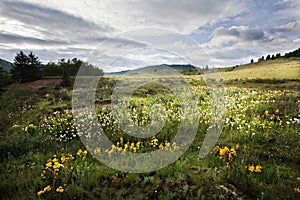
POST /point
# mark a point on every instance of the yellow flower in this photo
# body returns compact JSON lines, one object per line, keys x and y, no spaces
{"x":54,"y":160}
{"x":154,"y":142}
{"x":48,"y":164}
{"x":167,"y":144}
{"x":85,"y":152}
{"x":97,"y":150}
{"x":43,"y":173}
{"x":79,"y":152}
{"x":56,"y":165}
{"x":126,"y":145}
{"x":138,"y":144}
{"x":63,"y":159}
{"x":298,"y":179}
{"x":258,"y":168}
{"x":121,"y":140}
{"x":40,"y":192}
{"x":47,"y":95}
{"x":297,"y":190}
{"x":251,"y":168}
{"x":174,"y":146}
{"x":224,"y":151}
{"x":47,"y":188}
{"x":277,"y":111}
{"x":60,"y":189}
{"x":120,"y":149}
{"x":161,"y":146}
{"x":266,"y":112}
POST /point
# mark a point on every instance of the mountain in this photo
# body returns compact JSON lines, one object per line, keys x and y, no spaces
{"x":5,"y":65}
{"x":154,"y":68}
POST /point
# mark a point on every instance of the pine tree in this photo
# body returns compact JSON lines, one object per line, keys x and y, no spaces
{"x":26,"y":67}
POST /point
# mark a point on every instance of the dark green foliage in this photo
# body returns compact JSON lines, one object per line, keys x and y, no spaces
{"x":65,"y":79}
{"x":70,"y":67}
{"x":26,"y":67}
{"x":295,"y":53}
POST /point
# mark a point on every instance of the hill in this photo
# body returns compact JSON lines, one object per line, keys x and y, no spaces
{"x":5,"y":65}
{"x":269,"y":69}
{"x":154,"y":68}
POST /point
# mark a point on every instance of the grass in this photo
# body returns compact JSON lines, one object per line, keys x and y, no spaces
{"x":261,"y":128}
{"x":270,"y":69}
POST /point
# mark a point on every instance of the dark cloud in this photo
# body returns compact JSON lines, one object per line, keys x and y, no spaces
{"x":18,"y":39}
{"x":242,"y":33}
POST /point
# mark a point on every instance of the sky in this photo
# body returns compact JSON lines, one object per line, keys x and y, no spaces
{"x":118,"y":35}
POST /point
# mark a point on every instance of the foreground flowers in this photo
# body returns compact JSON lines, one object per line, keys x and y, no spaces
{"x":256,"y":169}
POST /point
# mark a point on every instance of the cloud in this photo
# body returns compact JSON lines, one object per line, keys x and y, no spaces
{"x":50,"y":23}
{"x":183,"y":16}
{"x":289,"y":27}
{"x":241,"y":33}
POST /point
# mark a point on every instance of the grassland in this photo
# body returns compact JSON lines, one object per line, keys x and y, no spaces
{"x":256,"y":156}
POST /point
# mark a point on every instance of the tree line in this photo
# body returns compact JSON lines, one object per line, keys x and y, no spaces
{"x":292,"y":54}
{"x":28,"y":67}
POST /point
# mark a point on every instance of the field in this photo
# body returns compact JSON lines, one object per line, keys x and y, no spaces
{"x":256,"y":156}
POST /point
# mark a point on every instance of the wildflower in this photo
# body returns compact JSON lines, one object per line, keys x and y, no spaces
{"x":161,"y":146}
{"x":298,"y":179}
{"x":251,"y":168}
{"x":126,"y":145}
{"x":63,"y":159}
{"x":56,"y":165}
{"x":138,"y":144}
{"x":258,"y":168}
{"x":121,"y":140}
{"x":223,"y":151}
{"x":39,"y":193}
{"x":266,"y":112}
{"x":120,"y":149}
{"x":43,"y":173}
{"x":167,"y":144}
{"x":85,"y":152}
{"x":97,"y":150}
{"x":154,"y":142}
{"x":47,"y":188}
{"x":297,"y":190}
{"x":47,"y":95}
{"x":48,"y":164}
{"x":174,"y":146}
{"x":79,"y":152}
{"x":60,"y":189}
{"x":276,"y":111}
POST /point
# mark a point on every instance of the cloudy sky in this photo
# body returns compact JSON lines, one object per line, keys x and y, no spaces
{"x":121,"y":34}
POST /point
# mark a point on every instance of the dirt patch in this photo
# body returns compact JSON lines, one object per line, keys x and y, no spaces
{"x":48,"y":83}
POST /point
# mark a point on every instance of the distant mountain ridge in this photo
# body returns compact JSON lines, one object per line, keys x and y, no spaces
{"x":5,"y":65}
{"x":154,"y":68}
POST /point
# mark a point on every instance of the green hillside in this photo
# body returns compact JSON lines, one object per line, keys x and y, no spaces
{"x":270,"y":69}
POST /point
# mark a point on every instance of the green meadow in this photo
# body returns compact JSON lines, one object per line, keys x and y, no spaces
{"x":256,"y":156}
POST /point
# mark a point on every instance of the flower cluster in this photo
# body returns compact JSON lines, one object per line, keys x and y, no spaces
{"x":55,"y":169}
{"x":52,"y":166}
{"x":253,"y":168}
{"x":226,"y":153}
{"x":123,"y":147}
{"x":82,"y":154}
{"x":46,"y":189}
{"x":297,"y":188}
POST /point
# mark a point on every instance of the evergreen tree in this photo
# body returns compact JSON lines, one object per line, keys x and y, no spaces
{"x":26,"y":67}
